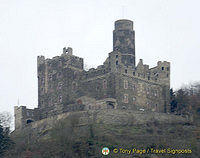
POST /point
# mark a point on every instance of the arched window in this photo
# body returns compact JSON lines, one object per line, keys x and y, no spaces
{"x":125,"y":84}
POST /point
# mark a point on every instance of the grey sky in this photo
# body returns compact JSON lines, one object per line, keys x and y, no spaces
{"x":165,"y":30}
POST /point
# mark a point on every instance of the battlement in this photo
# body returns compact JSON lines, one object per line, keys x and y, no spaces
{"x":67,"y":59}
{"x":24,"y":116}
{"x":123,"y":24}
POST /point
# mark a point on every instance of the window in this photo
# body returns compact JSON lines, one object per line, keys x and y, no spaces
{"x":126,"y":71}
{"x":198,"y":111}
{"x":60,"y":98}
{"x":104,"y":84}
{"x":148,"y":77}
{"x":50,"y":77}
{"x":131,"y":60}
{"x":117,"y":62}
{"x":60,"y":85}
{"x":133,"y":87}
{"x":134,"y":98}
{"x":59,"y":74}
{"x":97,"y":88}
{"x":125,"y":84}
{"x":116,"y":56}
{"x":167,"y":75}
{"x":155,"y":93}
{"x":162,"y":68}
{"x":29,"y":121}
{"x":133,"y":73}
{"x":73,"y":86}
{"x":125,"y":98}
{"x":167,"y":68}
{"x":148,"y":90}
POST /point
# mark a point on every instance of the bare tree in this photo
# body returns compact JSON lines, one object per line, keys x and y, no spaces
{"x":5,"y":119}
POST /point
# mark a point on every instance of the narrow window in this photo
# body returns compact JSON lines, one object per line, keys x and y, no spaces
{"x":148,"y":90}
{"x":60,"y":98}
{"x":104,"y":84}
{"x":162,"y":68}
{"x":133,"y":73}
{"x":148,"y":77}
{"x":167,"y":75}
{"x":131,"y":60}
{"x":126,"y":71}
{"x":60,"y":85}
{"x":125,"y":84}
{"x":133,"y":87}
{"x":125,"y":98}
{"x":116,"y":56}
{"x":155,"y":94}
{"x":167,"y":68}
{"x":50,"y":77}
{"x":97,"y":88}
{"x":73,"y":85}
{"x":117,"y":62}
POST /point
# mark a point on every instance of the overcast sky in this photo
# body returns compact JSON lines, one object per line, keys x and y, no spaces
{"x":165,"y":30}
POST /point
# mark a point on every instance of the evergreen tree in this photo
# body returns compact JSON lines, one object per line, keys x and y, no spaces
{"x":173,"y":102}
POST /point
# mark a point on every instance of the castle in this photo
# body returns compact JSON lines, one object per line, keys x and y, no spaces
{"x":64,"y":85}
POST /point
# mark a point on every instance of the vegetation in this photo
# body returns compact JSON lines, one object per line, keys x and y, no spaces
{"x":5,"y":141}
{"x":186,"y":100}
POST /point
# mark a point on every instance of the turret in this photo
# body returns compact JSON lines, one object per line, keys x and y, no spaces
{"x":124,"y":41}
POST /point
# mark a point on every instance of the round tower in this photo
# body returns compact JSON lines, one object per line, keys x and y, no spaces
{"x":124,"y":41}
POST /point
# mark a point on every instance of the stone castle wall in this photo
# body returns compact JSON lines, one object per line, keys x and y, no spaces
{"x":62,"y":81}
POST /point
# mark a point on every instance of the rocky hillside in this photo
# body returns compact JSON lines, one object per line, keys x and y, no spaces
{"x":125,"y":133}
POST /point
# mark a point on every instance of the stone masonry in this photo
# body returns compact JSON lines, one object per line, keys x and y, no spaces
{"x":64,"y":85}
